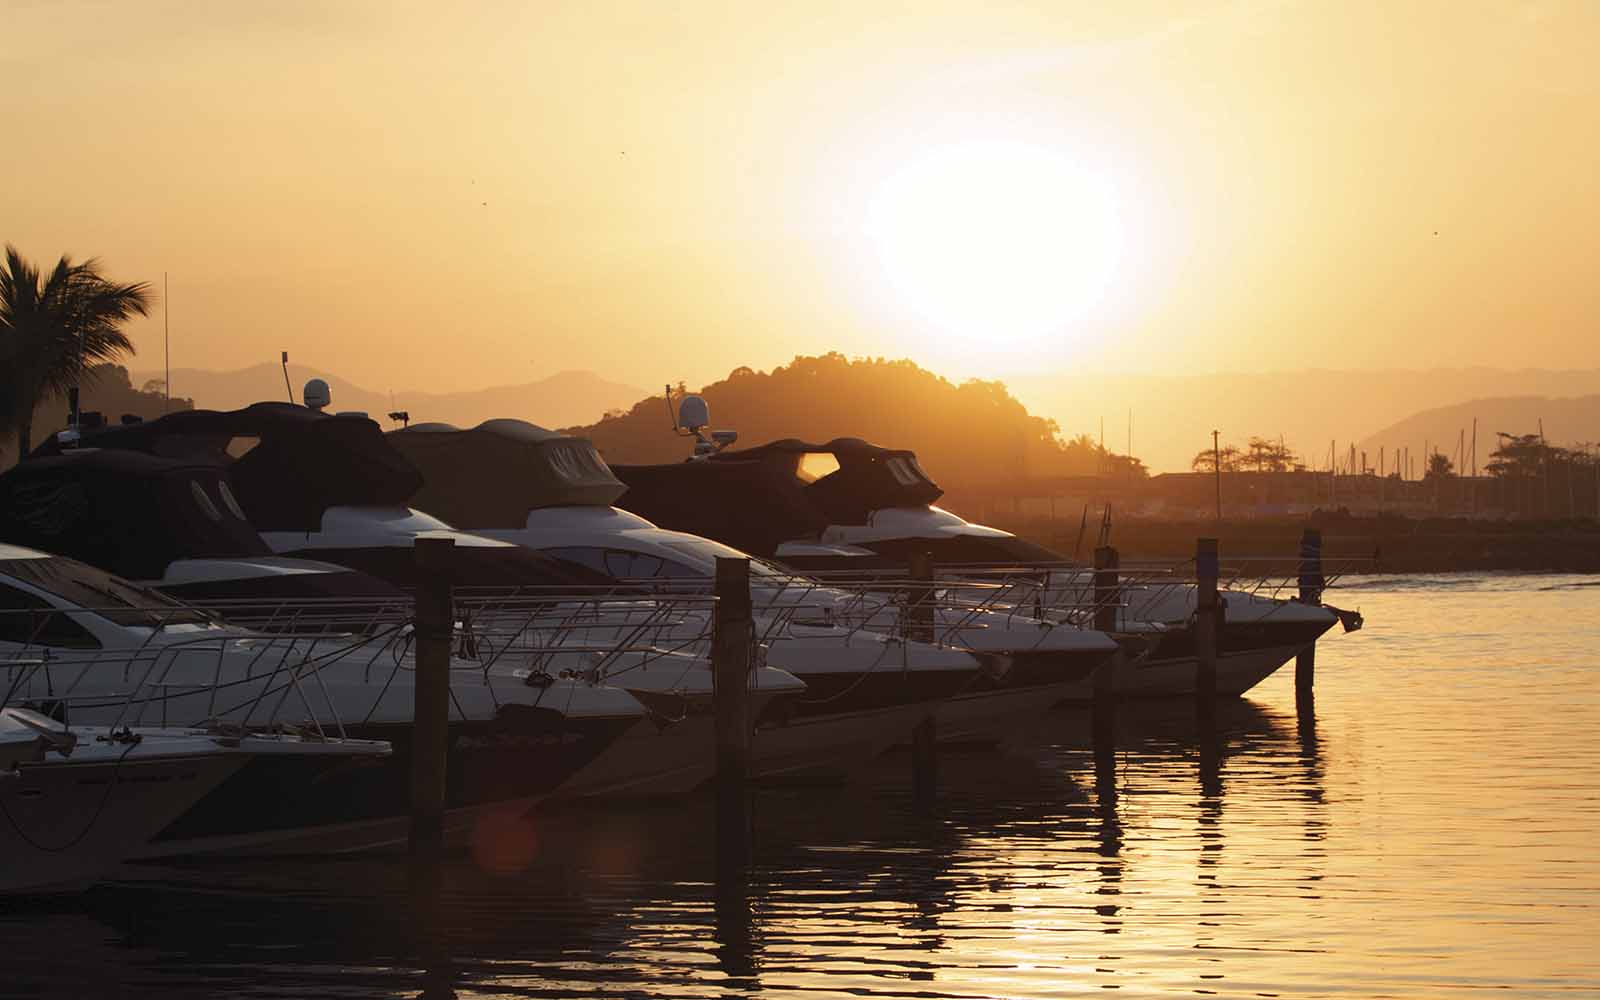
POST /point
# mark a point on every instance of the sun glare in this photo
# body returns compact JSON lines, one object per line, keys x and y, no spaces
{"x":1007,"y":243}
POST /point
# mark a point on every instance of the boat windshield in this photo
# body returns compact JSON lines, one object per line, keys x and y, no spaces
{"x":110,"y":597}
{"x":705,"y":553}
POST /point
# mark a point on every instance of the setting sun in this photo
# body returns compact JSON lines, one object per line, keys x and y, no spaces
{"x":1009,"y":242}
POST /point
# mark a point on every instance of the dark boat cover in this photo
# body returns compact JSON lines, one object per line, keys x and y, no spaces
{"x":491,"y":475}
{"x":127,"y":512}
{"x":758,"y":498}
{"x":288,"y":463}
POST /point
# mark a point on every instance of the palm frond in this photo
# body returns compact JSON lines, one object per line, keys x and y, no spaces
{"x":54,"y":326}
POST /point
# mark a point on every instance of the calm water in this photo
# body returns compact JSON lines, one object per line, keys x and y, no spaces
{"x":1433,"y":831}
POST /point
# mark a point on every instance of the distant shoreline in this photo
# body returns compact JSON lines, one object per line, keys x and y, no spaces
{"x":1350,"y":544}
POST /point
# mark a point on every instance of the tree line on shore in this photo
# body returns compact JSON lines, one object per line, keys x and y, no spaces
{"x":1515,"y":457}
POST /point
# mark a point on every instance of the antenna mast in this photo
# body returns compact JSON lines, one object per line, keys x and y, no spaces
{"x":286,"y":386}
{"x":166,"y":341}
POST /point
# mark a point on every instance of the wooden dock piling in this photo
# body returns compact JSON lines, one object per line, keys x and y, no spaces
{"x":921,"y":626}
{"x":1311,"y":584}
{"x":1107,"y":600}
{"x":732,"y":662}
{"x":919,"y":620}
{"x":1207,"y":624}
{"x":430,"y":727}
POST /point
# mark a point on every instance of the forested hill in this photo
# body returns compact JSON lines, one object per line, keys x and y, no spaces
{"x":970,"y":433}
{"x":108,"y":390}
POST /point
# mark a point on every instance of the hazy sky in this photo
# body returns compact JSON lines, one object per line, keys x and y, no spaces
{"x":455,"y":195}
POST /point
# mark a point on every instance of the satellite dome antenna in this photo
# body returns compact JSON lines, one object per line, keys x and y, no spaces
{"x":691,"y":419}
{"x":316,"y":395}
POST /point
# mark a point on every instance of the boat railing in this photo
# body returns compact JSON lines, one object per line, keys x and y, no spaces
{"x":257,"y":676}
{"x":1065,"y":592}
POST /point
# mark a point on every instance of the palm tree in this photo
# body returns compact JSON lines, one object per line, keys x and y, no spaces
{"x":52,"y":328}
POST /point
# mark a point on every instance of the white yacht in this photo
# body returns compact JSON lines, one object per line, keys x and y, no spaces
{"x":515,"y":482}
{"x":96,"y":650}
{"x":851,"y":508}
{"x":296,"y":484}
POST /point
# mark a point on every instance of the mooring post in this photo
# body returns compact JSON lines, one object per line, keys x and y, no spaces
{"x":1107,"y":600}
{"x":919,"y":622}
{"x":430,"y":726}
{"x":1311,"y":585}
{"x":732,"y":659}
{"x":920,"y":612}
{"x":1207,"y":624}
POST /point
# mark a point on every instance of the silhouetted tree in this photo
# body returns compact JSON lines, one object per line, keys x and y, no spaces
{"x":1265,"y":455}
{"x":1206,"y":461}
{"x":1520,"y":456}
{"x":52,"y":327}
{"x":1439,"y":467}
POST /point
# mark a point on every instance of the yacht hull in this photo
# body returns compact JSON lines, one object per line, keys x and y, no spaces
{"x":292,"y":806}
{"x":69,"y":821}
{"x":1250,"y":654}
{"x":993,"y":716}
{"x":833,"y":744}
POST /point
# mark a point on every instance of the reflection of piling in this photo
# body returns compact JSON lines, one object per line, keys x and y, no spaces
{"x":1311,"y":584}
{"x":430,"y":733}
{"x":920,"y":626}
{"x":1207,"y":624}
{"x":430,"y":943}
{"x":1107,"y":599}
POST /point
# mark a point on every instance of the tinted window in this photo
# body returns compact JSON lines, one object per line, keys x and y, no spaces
{"x":107,"y":596}
{"x":31,"y":621}
{"x":956,"y":549}
{"x":624,"y":564}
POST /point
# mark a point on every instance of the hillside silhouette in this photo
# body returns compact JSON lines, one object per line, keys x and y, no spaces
{"x":1173,"y":414}
{"x":563,"y":398}
{"x":1570,"y":422}
{"x":107,"y":390}
{"x":968,"y":433}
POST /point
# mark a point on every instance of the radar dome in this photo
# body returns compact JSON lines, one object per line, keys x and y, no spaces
{"x":316,"y":394}
{"x":693,"y":413}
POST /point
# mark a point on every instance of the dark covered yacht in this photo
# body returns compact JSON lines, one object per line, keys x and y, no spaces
{"x":847,"y":506}
{"x":821,"y":507}
{"x":329,"y":487}
{"x":176,"y":525}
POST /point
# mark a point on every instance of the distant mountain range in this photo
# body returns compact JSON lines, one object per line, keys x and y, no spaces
{"x":562,"y":399}
{"x":1173,"y":415}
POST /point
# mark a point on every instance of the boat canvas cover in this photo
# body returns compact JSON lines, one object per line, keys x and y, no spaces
{"x":288,"y":463}
{"x":492,"y":475}
{"x":756,"y":498}
{"x":130,"y":513}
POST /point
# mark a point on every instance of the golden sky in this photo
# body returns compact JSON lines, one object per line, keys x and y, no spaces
{"x":456,"y":195}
